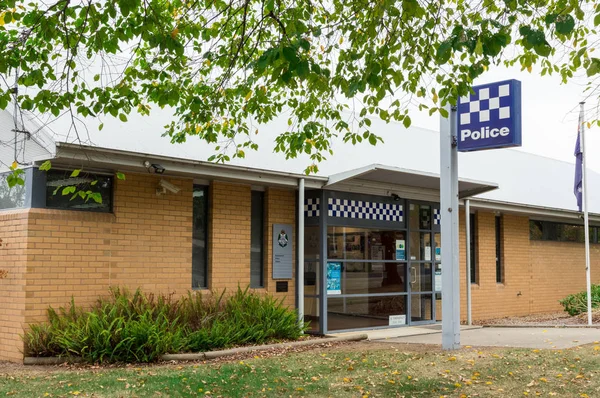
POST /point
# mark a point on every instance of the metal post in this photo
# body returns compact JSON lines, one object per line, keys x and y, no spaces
{"x":300,"y":274}
{"x":468,"y":250}
{"x":449,"y":212}
{"x":588,"y":283}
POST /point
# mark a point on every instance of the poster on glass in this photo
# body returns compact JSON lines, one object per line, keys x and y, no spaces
{"x":334,"y":278}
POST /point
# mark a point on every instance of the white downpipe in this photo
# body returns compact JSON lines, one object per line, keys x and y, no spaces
{"x":300,"y":248}
{"x":468,"y":250}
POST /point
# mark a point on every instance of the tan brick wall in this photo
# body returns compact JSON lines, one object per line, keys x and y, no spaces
{"x":146,"y":243}
{"x":542,"y":272}
{"x":13,"y":260}
{"x":229,"y":236}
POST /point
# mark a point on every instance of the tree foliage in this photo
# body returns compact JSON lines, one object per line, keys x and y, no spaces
{"x":228,"y":66}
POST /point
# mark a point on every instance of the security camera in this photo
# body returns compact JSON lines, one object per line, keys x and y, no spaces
{"x":164,"y":186}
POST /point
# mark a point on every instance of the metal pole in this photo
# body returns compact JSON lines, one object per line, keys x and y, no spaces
{"x":300,"y":275}
{"x":586,"y":223}
{"x":449,"y":213}
{"x":468,"y":250}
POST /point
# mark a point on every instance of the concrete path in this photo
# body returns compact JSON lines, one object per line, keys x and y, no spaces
{"x":552,"y":338}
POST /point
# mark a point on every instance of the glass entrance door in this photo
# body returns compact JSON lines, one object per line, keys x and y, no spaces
{"x":421,"y":264}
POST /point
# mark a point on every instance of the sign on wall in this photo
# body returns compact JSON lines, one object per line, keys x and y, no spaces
{"x":283,"y":251}
{"x":490,"y":117}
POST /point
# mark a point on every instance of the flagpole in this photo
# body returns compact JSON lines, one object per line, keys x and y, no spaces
{"x":585,"y":216}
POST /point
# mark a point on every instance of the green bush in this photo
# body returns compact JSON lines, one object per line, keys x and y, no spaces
{"x":139,"y":327}
{"x":576,"y":304}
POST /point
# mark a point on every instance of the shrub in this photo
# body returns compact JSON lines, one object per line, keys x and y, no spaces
{"x":139,"y":327}
{"x":576,"y":304}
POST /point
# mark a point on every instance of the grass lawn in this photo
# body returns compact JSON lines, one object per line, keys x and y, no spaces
{"x":351,"y":370}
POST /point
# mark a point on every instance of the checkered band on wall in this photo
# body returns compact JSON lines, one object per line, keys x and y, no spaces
{"x":437,"y":217}
{"x":490,"y":103}
{"x":364,"y":210}
{"x":312,"y":207}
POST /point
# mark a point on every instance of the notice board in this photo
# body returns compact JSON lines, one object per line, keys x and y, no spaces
{"x":283,"y":259}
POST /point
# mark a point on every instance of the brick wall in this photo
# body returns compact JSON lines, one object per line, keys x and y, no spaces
{"x":229,"y":236}
{"x":13,"y":260}
{"x":146,"y":243}
{"x":536,"y":274}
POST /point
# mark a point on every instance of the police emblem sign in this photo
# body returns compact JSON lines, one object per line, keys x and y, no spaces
{"x":490,"y":117}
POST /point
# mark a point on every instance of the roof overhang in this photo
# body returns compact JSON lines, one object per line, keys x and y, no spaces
{"x":74,"y":155}
{"x":395,"y":176}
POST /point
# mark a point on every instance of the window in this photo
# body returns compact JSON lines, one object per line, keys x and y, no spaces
{"x":200,"y":238}
{"x":473,"y":248}
{"x":256,"y":240}
{"x":560,"y":232}
{"x":62,"y":189}
{"x":11,"y":198}
{"x":499,"y":259}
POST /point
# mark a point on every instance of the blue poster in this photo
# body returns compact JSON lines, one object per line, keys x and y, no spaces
{"x":334,"y":278}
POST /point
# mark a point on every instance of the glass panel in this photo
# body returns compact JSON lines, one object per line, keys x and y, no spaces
{"x":420,"y":216}
{"x":311,"y":277}
{"x":437,"y":238}
{"x":438,"y":306}
{"x":311,"y":243}
{"x":311,"y":313}
{"x":57,"y":180}
{"x":365,"y":312}
{"x":11,"y":198}
{"x":421,"y":307}
{"x":199,"y":241}
{"x":365,"y":244}
{"x":420,"y":277}
{"x":364,"y":278}
{"x":437,"y":278}
{"x":424,"y":217}
{"x":256,"y":240}
{"x":420,"y":246}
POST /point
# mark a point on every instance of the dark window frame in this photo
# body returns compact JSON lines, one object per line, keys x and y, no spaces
{"x":66,"y":175}
{"x":474,"y":248}
{"x":551,"y":231}
{"x":257,"y":201}
{"x":498,"y":227}
{"x":206,"y":190}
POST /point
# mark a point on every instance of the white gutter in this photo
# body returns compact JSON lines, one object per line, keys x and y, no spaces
{"x":133,"y":162}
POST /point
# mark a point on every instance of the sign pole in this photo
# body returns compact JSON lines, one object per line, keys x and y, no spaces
{"x":449,"y":212}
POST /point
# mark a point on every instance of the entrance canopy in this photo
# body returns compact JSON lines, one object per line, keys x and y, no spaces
{"x":389,"y":175}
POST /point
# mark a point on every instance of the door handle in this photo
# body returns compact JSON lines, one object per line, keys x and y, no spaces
{"x":413,"y":273}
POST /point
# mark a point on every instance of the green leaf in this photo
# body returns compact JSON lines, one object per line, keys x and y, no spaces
{"x":479,"y":47}
{"x":46,"y":166}
{"x":101,"y":127}
{"x":120,"y":176}
{"x":444,"y":52}
{"x":594,"y":67}
{"x":597,"y":20}
{"x":122,"y":117}
{"x":406,"y":121}
{"x":564,"y":24}
{"x":68,"y":190}
{"x":372,"y":139}
{"x":75,"y":173}
{"x":543,"y":49}
{"x":270,"y":6}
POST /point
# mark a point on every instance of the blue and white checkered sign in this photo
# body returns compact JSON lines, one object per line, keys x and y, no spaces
{"x":364,"y":210}
{"x":490,"y":117}
{"x":437,"y":217}
{"x":312,"y":207}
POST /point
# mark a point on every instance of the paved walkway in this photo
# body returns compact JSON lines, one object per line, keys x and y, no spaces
{"x":524,"y":337}
{"x":553,"y":338}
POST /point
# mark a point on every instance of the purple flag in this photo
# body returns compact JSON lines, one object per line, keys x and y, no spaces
{"x":578,"y":187}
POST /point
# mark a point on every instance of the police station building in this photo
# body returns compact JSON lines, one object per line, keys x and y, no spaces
{"x":368,"y":224}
